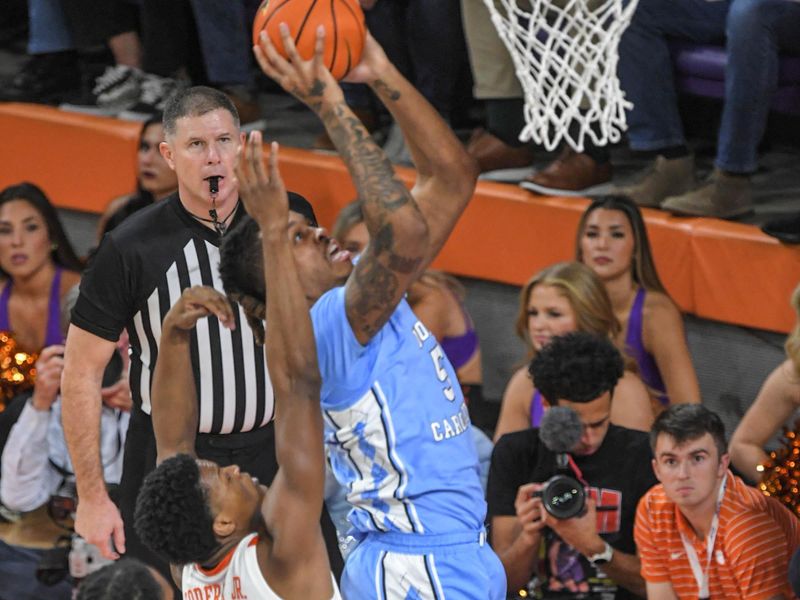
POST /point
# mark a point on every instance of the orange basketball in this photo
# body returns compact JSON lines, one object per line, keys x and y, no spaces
{"x":343,"y":20}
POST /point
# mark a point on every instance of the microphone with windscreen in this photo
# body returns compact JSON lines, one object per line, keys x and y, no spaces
{"x":563,"y":496}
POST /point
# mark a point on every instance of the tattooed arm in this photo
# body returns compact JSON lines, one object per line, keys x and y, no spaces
{"x":446,"y":174}
{"x":398,"y":230}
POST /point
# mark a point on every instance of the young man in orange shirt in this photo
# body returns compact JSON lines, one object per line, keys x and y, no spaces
{"x":703,"y":533}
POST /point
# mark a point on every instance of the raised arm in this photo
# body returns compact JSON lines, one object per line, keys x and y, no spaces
{"x":399,"y":247}
{"x":174,"y":395}
{"x":446,"y":174}
{"x":776,"y":401}
{"x":291,"y":508}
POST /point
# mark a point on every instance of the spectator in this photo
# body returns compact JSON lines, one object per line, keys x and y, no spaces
{"x":776,"y":402}
{"x":595,"y":551}
{"x":61,"y":28}
{"x":563,"y":298}
{"x":35,"y":461}
{"x":125,"y":579}
{"x":39,"y":267}
{"x":756,"y":31}
{"x":612,"y":241}
{"x":703,"y":533}
{"x":154,"y":179}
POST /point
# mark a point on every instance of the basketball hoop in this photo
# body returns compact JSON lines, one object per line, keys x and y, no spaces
{"x":565,"y":56}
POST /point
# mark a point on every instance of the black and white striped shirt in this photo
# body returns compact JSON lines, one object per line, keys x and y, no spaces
{"x":138,"y":273}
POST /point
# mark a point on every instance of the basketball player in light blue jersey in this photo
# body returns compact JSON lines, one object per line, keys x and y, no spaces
{"x":396,"y":424}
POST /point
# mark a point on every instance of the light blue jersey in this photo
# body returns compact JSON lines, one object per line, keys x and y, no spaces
{"x":396,"y":425}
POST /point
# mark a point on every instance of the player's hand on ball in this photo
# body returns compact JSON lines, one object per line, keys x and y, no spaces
{"x":307,"y":80}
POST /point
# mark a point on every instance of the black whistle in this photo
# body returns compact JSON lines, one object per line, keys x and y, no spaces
{"x":213,"y":184}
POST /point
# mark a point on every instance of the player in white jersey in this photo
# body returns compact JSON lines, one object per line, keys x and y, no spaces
{"x":233,"y":537}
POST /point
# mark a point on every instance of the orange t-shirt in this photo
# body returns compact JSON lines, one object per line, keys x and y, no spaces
{"x":755,"y":541}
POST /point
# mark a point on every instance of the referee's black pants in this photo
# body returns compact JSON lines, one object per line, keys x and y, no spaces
{"x":253,"y":452}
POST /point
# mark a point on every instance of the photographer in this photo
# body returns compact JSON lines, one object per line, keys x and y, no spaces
{"x":35,"y":461}
{"x":593,"y":554}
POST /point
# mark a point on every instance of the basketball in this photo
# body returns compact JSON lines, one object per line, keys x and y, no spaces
{"x":343,"y":20}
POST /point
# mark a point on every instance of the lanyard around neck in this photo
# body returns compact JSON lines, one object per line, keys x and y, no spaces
{"x":694,"y":562}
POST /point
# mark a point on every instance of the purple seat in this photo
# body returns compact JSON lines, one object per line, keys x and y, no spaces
{"x":700,"y":70}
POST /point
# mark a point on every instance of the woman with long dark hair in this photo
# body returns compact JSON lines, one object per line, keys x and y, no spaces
{"x":39,"y":267}
{"x":154,"y":179}
{"x":612,"y":241}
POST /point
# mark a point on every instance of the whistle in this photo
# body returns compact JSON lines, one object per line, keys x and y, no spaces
{"x":213,"y":184}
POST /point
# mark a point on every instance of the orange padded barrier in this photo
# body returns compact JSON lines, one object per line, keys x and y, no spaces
{"x":718,"y":270}
{"x":80,"y":161}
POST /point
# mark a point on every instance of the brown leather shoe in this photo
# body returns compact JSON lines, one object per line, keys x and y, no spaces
{"x":494,"y":154}
{"x":365,"y":115}
{"x":571,"y":173}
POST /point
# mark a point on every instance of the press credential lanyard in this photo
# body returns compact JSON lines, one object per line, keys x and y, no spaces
{"x":702,"y":576}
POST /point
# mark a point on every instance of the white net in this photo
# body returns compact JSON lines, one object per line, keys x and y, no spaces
{"x":565,"y":56}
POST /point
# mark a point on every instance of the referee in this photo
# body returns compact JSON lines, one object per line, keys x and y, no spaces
{"x":138,"y":273}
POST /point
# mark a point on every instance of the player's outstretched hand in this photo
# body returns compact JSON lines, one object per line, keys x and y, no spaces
{"x":194,"y":304}
{"x":263,"y":193}
{"x":309,"y":81}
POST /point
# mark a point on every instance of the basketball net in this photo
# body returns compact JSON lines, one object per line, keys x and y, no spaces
{"x":565,"y":57}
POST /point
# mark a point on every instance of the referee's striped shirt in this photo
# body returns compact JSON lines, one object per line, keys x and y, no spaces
{"x":138,"y":273}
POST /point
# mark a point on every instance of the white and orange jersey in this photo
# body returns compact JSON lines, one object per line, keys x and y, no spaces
{"x":236,"y":577}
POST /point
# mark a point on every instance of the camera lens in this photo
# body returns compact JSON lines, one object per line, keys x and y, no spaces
{"x":563,"y":497}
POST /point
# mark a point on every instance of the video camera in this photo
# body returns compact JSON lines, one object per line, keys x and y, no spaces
{"x":562,"y":496}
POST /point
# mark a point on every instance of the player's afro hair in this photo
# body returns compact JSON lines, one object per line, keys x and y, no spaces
{"x":125,"y":579}
{"x":578,"y":367}
{"x":172,"y":515}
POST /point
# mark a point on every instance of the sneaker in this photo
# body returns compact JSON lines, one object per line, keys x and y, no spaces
{"x":571,"y":174}
{"x":721,"y":195}
{"x":45,"y":78}
{"x":155,"y":91}
{"x":664,"y":177}
{"x":116,"y":89}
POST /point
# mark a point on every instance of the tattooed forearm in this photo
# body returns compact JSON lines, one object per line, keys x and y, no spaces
{"x":398,"y":229}
{"x":384,"y":246}
{"x":372,"y":172}
{"x":375,"y":301}
{"x":383,"y":90}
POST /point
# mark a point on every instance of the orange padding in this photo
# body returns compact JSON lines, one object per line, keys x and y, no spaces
{"x":715,"y":269}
